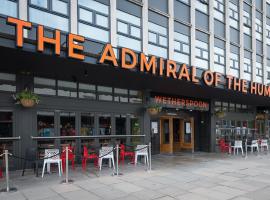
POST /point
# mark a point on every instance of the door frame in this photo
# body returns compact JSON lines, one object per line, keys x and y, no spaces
{"x":172,"y":146}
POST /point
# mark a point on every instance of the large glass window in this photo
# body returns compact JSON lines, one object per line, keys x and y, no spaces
{"x":6,"y":124}
{"x":87,"y":124}
{"x":9,"y":7}
{"x":56,"y":13}
{"x":120,"y":124}
{"x":158,"y":40}
{"x":258,"y":26}
{"x":219,"y":10}
{"x":234,"y":15}
{"x":135,"y":128}
{"x":45,"y":124}
{"x":7,"y":82}
{"x":181,"y":48}
{"x":6,"y":130}
{"x":234,"y":61}
{"x":105,"y":126}
{"x":202,"y":6}
{"x":44,"y":86}
{"x":219,"y":56}
{"x":67,"y":89}
{"x":201,"y":50}
{"x":67,"y":124}
{"x":128,"y":30}
{"x":93,"y":20}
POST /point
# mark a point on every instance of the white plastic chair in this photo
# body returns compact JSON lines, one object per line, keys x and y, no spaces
{"x":264,"y":144}
{"x":254,"y":144}
{"x":142,"y":150}
{"x":104,"y":154}
{"x":52,"y":157}
{"x":238,"y":145}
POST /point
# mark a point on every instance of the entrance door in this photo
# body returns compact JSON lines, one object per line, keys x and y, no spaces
{"x":176,"y":134}
{"x":187,"y":136}
{"x":165,"y":135}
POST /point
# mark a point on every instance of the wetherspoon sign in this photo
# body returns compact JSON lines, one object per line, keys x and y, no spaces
{"x":153,"y":65}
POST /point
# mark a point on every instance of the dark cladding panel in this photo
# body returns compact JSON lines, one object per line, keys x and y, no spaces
{"x":161,"y":5}
{"x":129,"y":7}
{"x":158,"y":19}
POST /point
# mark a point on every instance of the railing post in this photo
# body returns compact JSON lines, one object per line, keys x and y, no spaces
{"x":67,"y":164}
{"x":150,"y":157}
{"x":117,"y":158}
{"x":246,"y":149}
{"x":7,"y":170}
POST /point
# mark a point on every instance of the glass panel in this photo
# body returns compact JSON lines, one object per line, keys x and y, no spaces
{"x":93,"y":32}
{"x":120,"y":95}
{"x":44,"y":86}
{"x":67,"y":89}
{"x":187,"y":132}
{"x":120,"y":125}
{"x":67,"y":124}
{"x":176,"y":130}
{"x":87,"y":91}
{"x":7,"y":82}
{"x":45,"y":124}
{"x":135,"y":129}
{"x":6,"y":130}
{"x":8,"y":8}
{"x":128,"y":18}
{"x":60,"y":7}
{"x":163,"y":41}
{"x":166,"y":131}
{"x":86,"y":15}
{"x":105,"y":124}
{"x":54,"y":21}
{"x":152,"y":37}
{"x":87,"y":124}
{"x":40,"y":3}
{"x":135,"y":31}
{"x":135,"y":96}
{"x":128,"y":42}
{"x":102,"y":20}
{"x":122,"y":27}
{"x":91,"y":4}
{"x":105,"y":93}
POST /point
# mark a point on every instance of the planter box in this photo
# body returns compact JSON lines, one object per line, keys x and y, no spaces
{"x":28,"y":103}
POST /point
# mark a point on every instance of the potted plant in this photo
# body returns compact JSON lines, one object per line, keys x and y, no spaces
{"x":154,"y":109}
{"x":220,"y":114}
{"x":26,"y":98}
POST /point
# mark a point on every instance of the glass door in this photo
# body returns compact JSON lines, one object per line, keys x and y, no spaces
{"x":187,"y":135}
{"x":177,"y":124}
{"x":166,"y":136}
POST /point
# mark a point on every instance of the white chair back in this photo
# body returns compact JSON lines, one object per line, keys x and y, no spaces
{"x":105,"y":150}
{"x":254,"y":142}
{"x":264,"y":142}
{"x":238,"y":143}
{"x":141,"y":148}
{"x":52,"y":154}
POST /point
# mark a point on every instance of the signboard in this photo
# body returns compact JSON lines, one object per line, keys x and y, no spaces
{"x":181,"y":103}
{"x":139,"y":62}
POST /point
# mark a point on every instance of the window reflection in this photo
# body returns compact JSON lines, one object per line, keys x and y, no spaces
{"x":44,"y":86}
{"x":67,"y":124}
{"x":120,"y":124}
{"x":67,"y":89}
{"x":105,"y":124}
{"x":45,"y":124}
{"x":87,"y":124}
{"x":7,"y":82}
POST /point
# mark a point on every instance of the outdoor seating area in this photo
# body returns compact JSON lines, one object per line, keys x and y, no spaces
{"x":236,"y":140}
{"x":56,"y":158}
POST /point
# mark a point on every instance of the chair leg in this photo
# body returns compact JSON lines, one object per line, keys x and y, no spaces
{"x":43,"y":169}
{"x":110,"y":163}
{"x":59,"y":168}
{"x":136,"y":159}
{"x":113,"y":163}
{"x":24,"y":164}
{"x":100,"y":163}
{"x":242,"y":151}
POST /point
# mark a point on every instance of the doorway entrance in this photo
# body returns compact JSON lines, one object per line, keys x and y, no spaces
{"x":176,"y":134}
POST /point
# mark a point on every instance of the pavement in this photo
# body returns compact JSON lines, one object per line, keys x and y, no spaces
{"x":185,"y":176}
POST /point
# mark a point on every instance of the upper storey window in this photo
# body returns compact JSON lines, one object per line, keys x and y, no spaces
{"x":9,"y":7}
{"x":50,"y":13}
{"x":234,"y":15}
{"x":93,"y":20}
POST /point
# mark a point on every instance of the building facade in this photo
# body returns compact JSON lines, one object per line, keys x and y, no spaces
{"x":223,"y":44}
